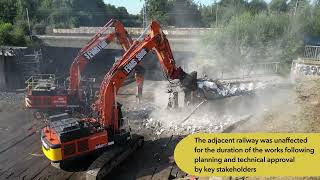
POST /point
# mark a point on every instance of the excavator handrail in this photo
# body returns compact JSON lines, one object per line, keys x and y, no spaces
{"x":35,"y":80}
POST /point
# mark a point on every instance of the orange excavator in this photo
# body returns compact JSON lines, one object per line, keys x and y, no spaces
{"x":67,"y":137}
{"x":43,"y":93}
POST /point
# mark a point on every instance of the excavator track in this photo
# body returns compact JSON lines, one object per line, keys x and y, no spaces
{"x":103,"y":165}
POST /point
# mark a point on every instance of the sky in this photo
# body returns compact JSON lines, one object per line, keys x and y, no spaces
{"x":134,"y":6}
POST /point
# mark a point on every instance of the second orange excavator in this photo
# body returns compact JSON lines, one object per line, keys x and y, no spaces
{"x":44,"y":94}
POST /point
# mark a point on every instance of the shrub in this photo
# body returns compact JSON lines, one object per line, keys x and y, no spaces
{"x":254,"y":38}
{"x":6,"y":36}
{"x":12,"y":35}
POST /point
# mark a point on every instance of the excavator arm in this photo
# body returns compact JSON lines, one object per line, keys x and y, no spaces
{"x":155,"y":41}
{"x":94,"y":47}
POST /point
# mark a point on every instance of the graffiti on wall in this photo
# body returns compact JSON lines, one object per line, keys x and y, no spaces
{"x":313,"y":70}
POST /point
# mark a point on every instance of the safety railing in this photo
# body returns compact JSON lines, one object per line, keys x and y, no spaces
{"x":312,"y":52}
{"x":40,"y":81}
{"x":262,"y":68}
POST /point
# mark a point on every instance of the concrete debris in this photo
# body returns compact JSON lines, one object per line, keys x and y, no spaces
{"x":204,"y":123}
{"x":216,"y":89}
{"x":213,"y":116}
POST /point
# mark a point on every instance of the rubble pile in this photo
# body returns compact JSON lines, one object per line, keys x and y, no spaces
{"x":211,"y":117}
{"x":140,"y":111}
{"x":200,"y":122}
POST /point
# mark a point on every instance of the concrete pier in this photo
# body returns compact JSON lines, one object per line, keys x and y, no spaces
{"x":10,"y":75}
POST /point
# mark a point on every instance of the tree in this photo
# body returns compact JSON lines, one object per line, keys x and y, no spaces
{"x":9,"y":10}
{"x":74,"y":13}
{"x":278,"y":6}
{"x":258,"y":6}
{"x":157,"y":10}
{"x":231,"y":8}
{"x":251,"y":38}
{"x":10,"y":35}
{"x":185,"y":13}
{"x":208,"y":15}
{"x":92,"y":12}
{"x":5,"y":33}
{"x":121,"y":14}
{"x":316,"y":26}
{"x":55,"y":13}
{"x":180,"y":13}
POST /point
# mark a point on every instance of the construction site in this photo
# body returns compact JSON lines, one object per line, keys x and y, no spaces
{"x":260,"y":100}
{"x":112,"y":102}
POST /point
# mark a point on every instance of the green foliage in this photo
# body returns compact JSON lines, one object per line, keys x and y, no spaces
{"x":157,"y":10}
{"x":8,"y":10}
{"x":278,"y":6}
{"x":254,"y":33}
{"x":208,"y":14}
{"x":75,"y":13}
{"x":248,"y":29}
{"x":316,"y":26}
{"x":55,"y":13}
{"x":184,"y":13}
{"x":122,"y":14}
{"x":250,"y":38}
{"x":18,"y":36}
{"x":258,"y":6}
{"x":39,"y":28}
{"x":5,"y":33}
{"x":179,"y":13}
{"x":231,"y":8}
{"x":10,"y":35}
{"x":63,"y":13}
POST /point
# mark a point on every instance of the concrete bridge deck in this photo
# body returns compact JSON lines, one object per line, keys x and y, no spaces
{"x":181,"y":39}
{"x":78,"y":41}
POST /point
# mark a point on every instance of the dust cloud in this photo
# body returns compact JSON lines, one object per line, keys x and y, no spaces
{"x":217,"y":115}
{"x":275,"y":101}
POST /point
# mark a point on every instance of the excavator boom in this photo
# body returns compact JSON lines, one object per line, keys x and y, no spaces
{"x":99,"y":42}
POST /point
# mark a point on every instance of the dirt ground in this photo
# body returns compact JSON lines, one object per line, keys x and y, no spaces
{"x":278,"y":108}
{"x":297,"y":112}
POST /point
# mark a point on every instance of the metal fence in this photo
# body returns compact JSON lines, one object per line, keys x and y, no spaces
{"x":30,"y":64}
{"x":263,"y":68}
{"x":251,"y":70}
{"x":312,"y":52}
